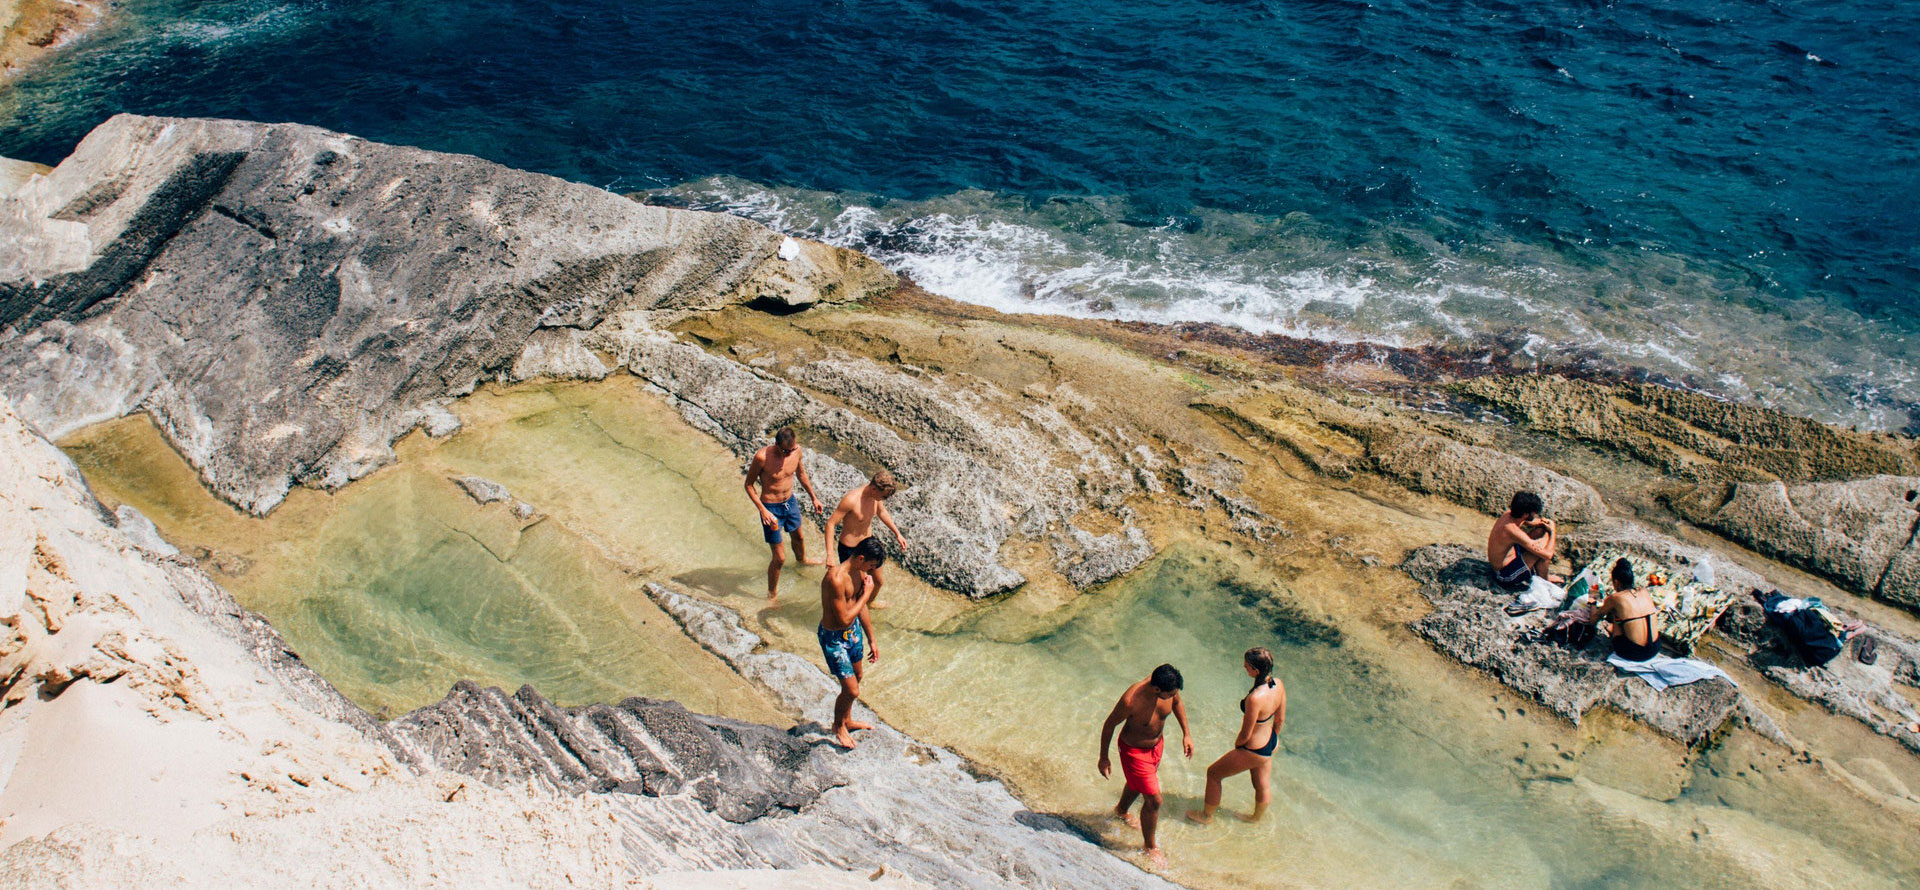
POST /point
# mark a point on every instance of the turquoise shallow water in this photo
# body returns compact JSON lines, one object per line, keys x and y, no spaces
{"x":1396,"y":768}
{"x":1720,"y":195}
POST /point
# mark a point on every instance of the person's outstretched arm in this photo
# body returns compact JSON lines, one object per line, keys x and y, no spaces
{"x":818,"y":508}
{"x":866,"y":626}
{"x":754,"y":470}
{"x":887,"y":518}
{"x":1114,"y":719}
{"x":1186,"y":735}
{"x":833,"y":537}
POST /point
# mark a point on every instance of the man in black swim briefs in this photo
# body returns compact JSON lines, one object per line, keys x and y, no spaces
{"x":1522,"y":543}
{"x":853,"y":522}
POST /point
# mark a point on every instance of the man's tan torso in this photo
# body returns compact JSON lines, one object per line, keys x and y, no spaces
{"x":777,"y":474}
{"x":859,"y":521}
{"x":840,"y":593}
{"x":1146,"y":715}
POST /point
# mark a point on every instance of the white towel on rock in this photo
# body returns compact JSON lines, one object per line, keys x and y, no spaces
{"x":1662,"y":671}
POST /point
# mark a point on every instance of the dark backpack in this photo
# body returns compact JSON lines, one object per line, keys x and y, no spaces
{"x":1810,"y":635}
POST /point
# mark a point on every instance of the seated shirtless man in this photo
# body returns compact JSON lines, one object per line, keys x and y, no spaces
{"x":1522,"y":544}
{"x":854,"y":519}
{"x":846,"y":633}
{"x":1143,"y":710}
{"x":774,"y":468}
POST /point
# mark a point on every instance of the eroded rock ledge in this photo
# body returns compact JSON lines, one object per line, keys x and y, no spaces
{"x":287,"y":301}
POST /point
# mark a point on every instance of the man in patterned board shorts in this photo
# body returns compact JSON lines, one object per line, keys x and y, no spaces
{"x":846,"y":633}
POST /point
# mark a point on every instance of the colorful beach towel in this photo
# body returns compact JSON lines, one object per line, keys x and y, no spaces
{"x":1688,"y":608}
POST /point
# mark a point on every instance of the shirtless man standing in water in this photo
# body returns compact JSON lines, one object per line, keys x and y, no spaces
{"x":846,"y":633}
{"x":773,"y":469}
{"x":1143,"y":710}
{"x":854,"y":518}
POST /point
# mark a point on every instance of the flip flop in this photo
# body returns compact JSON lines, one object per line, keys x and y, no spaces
{"x":1519,"y":609}
{"x":1866,"y":650}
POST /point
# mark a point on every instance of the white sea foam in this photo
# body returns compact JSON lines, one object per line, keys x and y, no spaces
{"x":1092,"y":258}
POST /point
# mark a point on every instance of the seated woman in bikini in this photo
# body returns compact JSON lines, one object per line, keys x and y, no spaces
{"x":1634,"y":620}
{"x":1263,"y":711}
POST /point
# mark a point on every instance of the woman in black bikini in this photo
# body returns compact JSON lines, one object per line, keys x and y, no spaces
{"x":1264,"y":710}
{"x":1635,"y":622}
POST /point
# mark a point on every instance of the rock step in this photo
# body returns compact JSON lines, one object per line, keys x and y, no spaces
{"x":739,"y":771}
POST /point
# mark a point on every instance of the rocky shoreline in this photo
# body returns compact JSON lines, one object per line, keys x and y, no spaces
{"x":287,"y":303}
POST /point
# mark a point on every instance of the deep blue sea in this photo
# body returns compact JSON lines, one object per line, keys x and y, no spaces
{"x":1724,"y":193}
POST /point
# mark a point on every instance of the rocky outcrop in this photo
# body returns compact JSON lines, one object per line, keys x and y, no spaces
{"x":1688,"y":434}
{"x":286,"y":301}
{"x":1467,"y":622}
{"x":1872,"y":694}
{"x":1862,"y":533}
{"x":487,"y":491}
{"x":739,"y":771}
{"x":1338,"y":440}
{"x":974,"y":478}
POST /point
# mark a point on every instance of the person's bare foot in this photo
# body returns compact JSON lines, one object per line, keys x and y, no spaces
{"x":1131,"y":819}
{"x":846,"y":740}
{"x":1248,"y":817}
{"x":1156,"y":857}
{"x":1198,"y":817}
{"x":856,"y":724}
{"x":813,"y":562}
{"x":773,"y":596}
{"x":879,"y":604}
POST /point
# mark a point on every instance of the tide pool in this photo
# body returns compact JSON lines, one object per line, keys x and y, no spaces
{"x":1396,"y":767}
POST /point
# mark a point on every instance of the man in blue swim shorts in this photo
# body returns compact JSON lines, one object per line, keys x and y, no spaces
{"x":846,"y":632}
{"x":773,"y":471}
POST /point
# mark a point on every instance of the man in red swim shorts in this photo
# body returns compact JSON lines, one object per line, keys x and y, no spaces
{"x":1141,"y":713}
